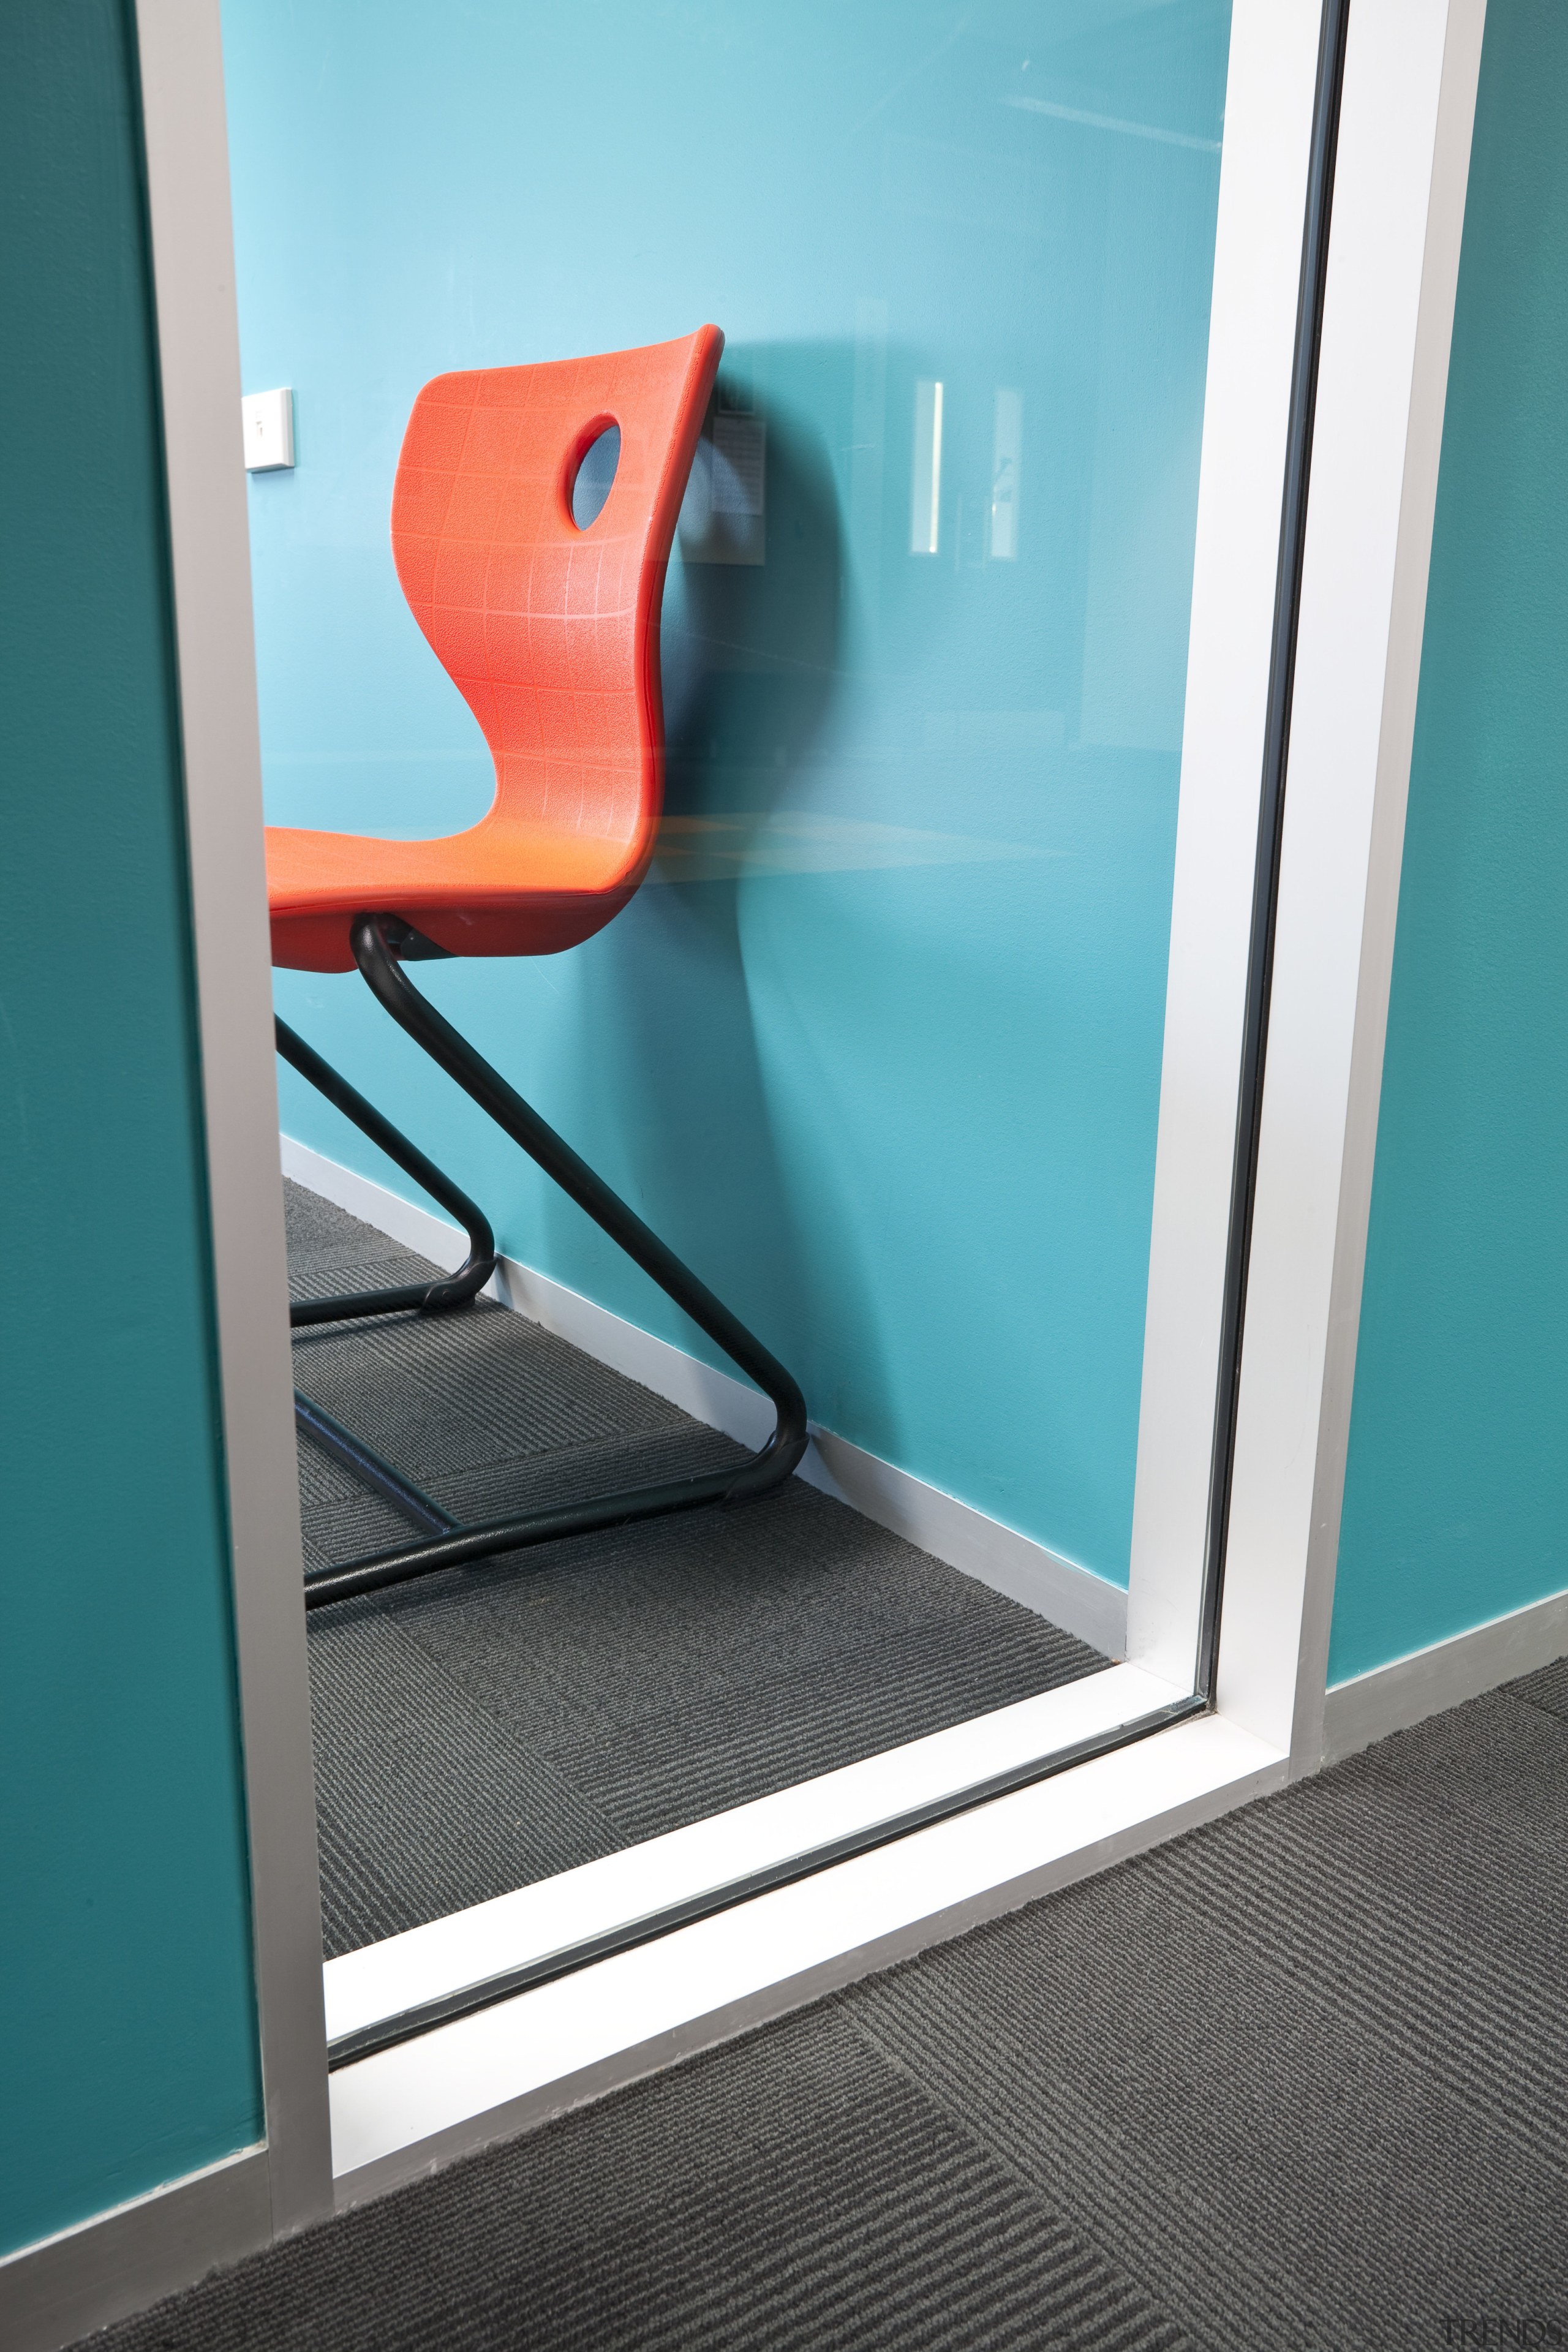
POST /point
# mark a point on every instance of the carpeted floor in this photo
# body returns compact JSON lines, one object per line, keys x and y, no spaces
{"x":485,"y":1729}
{"x":1296,"y":2083}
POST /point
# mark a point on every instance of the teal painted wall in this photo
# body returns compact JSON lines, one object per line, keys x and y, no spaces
{"x":1457,"y":1488}
{"x":129,"y":2028}
{"x":883,"y":1060}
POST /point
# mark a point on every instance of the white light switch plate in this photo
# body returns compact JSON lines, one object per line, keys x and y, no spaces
{"x":268,"y":430}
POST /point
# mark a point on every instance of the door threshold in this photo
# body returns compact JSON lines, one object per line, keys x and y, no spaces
{"x":519,"y":2061}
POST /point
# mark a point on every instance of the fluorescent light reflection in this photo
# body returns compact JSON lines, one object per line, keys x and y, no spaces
{"x":925,"y":502}
{"x":1007,"y":470}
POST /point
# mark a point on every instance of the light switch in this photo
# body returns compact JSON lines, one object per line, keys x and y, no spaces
{"x":268,"y":430}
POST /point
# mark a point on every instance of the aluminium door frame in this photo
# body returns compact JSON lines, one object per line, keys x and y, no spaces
{"x":185,"y":143}
{"x":122,"y":2261}
{"x":1408,"y":106}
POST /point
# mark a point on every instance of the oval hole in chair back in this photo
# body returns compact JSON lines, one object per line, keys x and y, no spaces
{"x":595,"y":477}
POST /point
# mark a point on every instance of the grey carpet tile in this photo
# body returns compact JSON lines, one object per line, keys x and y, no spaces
{"x":444,"y":1394}
{"x":354,"y":1531}
{"x":1548,"y":1689}
{"x":655,"y":1714}
{"x":339,"y":1519}
{"x":1500,"y":1761}
{"x":323,"y":1274}
{"x":494,"y":1813}
{"x":691,"y":1760}
{"x":715,"y":1601}
{"x":325,"y":1483}
{"x":666,"y":1685}
{"x":1304,"y":2095}
{"x":320,"y":1232}
{"x":540,"y":1709}
{"x":793,"y":2193}
{"x":524,"y":1482}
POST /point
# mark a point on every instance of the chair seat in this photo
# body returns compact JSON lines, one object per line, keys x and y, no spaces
{"x":502,"y":888}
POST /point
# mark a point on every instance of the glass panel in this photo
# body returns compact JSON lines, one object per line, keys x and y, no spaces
{"x":876,"y":1048}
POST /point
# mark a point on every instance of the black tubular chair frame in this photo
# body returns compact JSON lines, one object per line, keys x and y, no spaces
{"x":381,"y":945}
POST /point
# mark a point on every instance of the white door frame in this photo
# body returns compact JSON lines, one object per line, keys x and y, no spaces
{"x":1408,"y":105}
{"x":1411,"y":75}
{"x":1410,"y":78}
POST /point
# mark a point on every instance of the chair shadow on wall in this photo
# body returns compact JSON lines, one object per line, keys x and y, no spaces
{"x":750,"y":655}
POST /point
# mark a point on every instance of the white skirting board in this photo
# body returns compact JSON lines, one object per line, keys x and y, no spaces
{"x":1393,"y":1698}
{"x":995,"y":1555}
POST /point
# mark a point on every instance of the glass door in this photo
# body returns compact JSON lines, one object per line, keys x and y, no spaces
{"x":880,"y":1046}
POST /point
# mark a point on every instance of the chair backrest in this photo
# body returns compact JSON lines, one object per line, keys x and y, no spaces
{"x":551,"y":633}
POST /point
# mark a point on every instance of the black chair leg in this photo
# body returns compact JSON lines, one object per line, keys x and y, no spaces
{"x":428,"y":1297}
{"x":372,"y":936}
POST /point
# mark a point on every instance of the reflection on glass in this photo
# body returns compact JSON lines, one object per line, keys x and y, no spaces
{"x":925,"y":502}
{"x":724,"y":518}
{"x":1006,"y":465}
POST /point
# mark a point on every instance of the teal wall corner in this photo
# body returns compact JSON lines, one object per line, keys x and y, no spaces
{"x":1455,"y":1501}
{"x":125,"y":1942}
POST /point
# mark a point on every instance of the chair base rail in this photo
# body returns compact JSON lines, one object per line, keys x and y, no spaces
{"x":463,"y":1546}
{"x":445,"y":1543}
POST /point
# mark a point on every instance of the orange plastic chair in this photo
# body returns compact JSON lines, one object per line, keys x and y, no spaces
{"x":551,"y":634}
